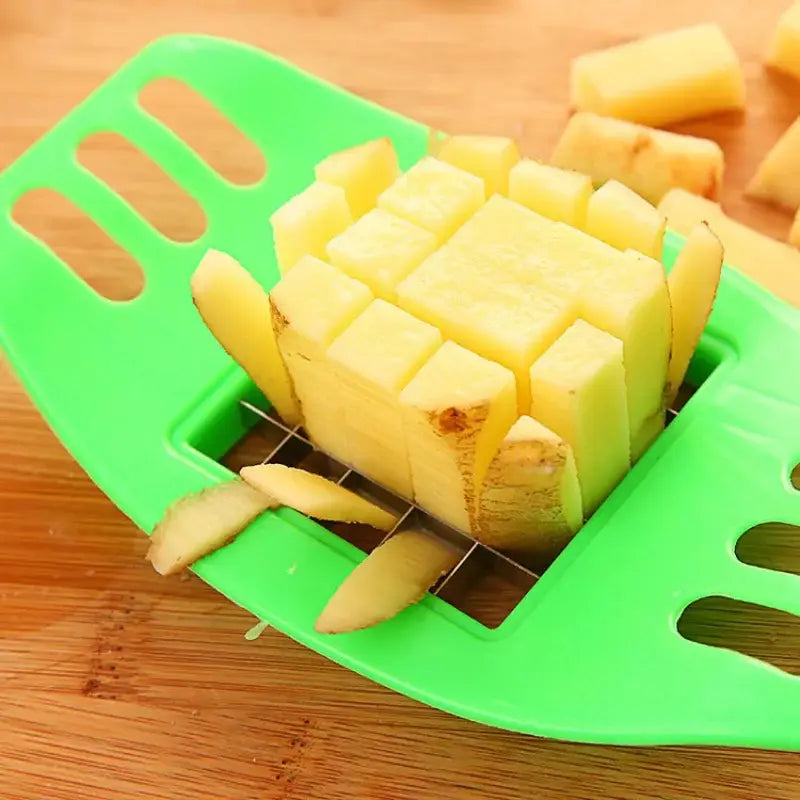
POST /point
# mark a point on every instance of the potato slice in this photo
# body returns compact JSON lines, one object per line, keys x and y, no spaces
{"x":620,"y":217}
{"x":363,"y":171}
{"x":392,"y":577}
{"x":488,"y":157}
{"x":783,"y":52}
{"x":558,"y":194}
{"x":578,"y":390}
{"x":693,"y":284}
{"x":237,"y":312}
{"x":661,"y":79}
{"x":777,"y":179}
{"x":650,"y":430}
{"x":530,"y":499}
{"x":434,"y":195}
{"x":307,"y":222}
{"x":649,"y":161}
{"x":773,"y":264}
{"x":198,"y":524}
{"x":315,"y":496}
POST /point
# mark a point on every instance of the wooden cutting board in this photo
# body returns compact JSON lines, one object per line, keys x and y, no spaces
{"x":120,"y":684}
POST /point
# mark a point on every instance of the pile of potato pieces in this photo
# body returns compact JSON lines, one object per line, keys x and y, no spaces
{"x":629,"y":161}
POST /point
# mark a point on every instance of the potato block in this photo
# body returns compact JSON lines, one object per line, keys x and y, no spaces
{"x":512,"y":325}
{"x":363,"y":171}
{"x":434,"y":195}
{"x":777,"y":179}
{"x":311,"y":305}
{"x":794,"y":231}
{"x":578,"y":391}
{"x":457,"y":410}
{"x":530,"y":498}
{"x":315,"y":496}
{"x":620,"y":217}
{"x":200,"y":523}
{"x":375,"y":357}
{"x":648,"y":433}
{"x":236,"y":310}
{"x":488,"y":157}
{"x":392,"y":577}
{"x":693,"y":284}
{"x":381,"y":249}
{"x":783,"y":52}
{"x":773,"y":264}
{"x":558,"y":194}
{"x":649,"y":161}
{"x":660,"y":79}
{"x":307,"y":222}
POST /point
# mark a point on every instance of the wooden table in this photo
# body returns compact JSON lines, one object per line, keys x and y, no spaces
{"x":118,"y":684}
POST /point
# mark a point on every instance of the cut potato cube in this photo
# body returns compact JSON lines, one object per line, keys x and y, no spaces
{"x":380,"y":250}
{"x":198,"y":524}
{"x":311,"y":305}
{"x":434,"y":195}
{"x":306,"y":223}
{"x":649,"y":161}
{"x":620,"y":217}
{"x":530,"y":499}
{"x":488,"y":157}
{"x":456,"y":409}
{"x":315,"y":496}
{"x":794,"y":231}
{"x":363,"y":171}
{"x":693,"y":283}
{"x":392,"y":577}
{"x":632,"y":304}
{"x":558,"y":194}
{"x":783,"y":52}
{"x":578,"y":391}
{"x":773,"y":264}
{"x":236,"y":310}
{"x":661,"y":79}
{"x":375,"y":357}
{"x":648,"y":433}
{"x":777,"y":179}
{"x":510,"y":325}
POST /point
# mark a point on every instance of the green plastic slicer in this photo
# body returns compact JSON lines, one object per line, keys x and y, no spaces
{"x":145,"y":400}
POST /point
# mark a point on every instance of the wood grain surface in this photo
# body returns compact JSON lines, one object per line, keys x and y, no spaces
{"x":119,"y":684}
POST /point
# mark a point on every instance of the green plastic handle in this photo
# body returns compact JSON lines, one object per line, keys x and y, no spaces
{"x":137,"y":390}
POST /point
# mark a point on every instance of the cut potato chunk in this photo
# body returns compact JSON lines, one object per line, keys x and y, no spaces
{"x":315,"y":496}
{"x":647,"y":434}
{"x":578,"y":391}
{"x":392,"y":577}
{"x":693,"y":284}
{"x":198,"y":524}
{"x":777,"y":179}
{"x":661,"y":79}
{"x":236,"y":310}
{"x":783,"y":52}
{"x":434,"y":195}
{"x":375,"y":357}
{"x":773,"y":264}
{"x":530,"y":499}
{"x":456,"y":409}
{"x":649,"y":161}
{"x":794,"y":231}
{"x":311,"y":306}
{"x":512,"y":325}
{"x":306,"y":223}
{"x":488,"y":157}
{"x":380,"y":250}
{"x":558,"y":194}
{"x":363,"y":171}
{"x":620,"y":217}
